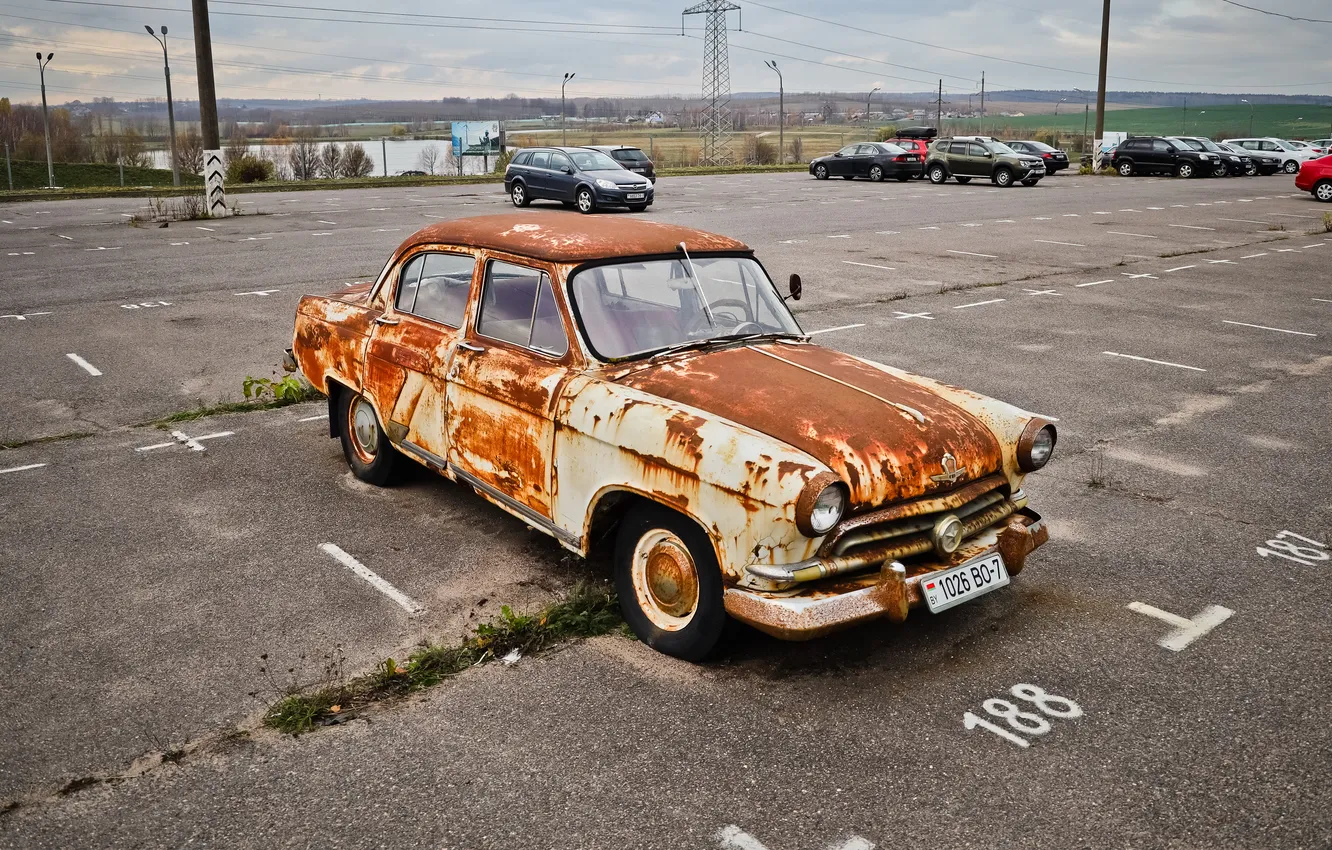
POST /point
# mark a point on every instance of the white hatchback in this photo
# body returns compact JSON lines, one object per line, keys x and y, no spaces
{"x":1291,"y":155}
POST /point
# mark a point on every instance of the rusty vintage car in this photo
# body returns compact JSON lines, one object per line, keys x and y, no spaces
{"x":643,"y":386}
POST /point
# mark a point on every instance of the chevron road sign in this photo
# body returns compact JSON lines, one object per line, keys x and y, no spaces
{"x":214,"y":190}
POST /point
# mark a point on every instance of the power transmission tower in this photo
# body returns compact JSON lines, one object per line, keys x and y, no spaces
{"x":715,"y":129}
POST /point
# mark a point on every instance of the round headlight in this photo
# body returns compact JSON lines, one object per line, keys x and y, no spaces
{"x":820,"y":505}
{"x":1036,"y":445}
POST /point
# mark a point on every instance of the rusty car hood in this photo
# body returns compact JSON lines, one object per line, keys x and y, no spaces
{"x":864,"y":423}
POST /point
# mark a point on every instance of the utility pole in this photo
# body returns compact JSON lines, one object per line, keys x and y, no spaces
{"x":564,"y":133}
{"x":46,"y":127}
{"x":939,"y":113}
{"x":1100,"y":85}
{"x":716,"y":128}
{"x":9,"y":172}
{"x":781,"y":113}
{"x":171,"y":110}
{"x":982,"y":119}
{"x":203,"y":60}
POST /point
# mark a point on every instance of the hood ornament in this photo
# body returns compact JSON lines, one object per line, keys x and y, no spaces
{"x":951,"y":474}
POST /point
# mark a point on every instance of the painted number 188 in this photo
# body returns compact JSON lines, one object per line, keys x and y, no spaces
{"x":1283,"y":546}
{"x":1023,"y":721}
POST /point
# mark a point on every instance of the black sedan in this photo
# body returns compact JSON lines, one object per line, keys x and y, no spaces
{"x":875,"y":160}
{"x":1055,"y":159}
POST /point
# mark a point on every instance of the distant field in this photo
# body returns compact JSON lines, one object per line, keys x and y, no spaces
{"x":1283,"y":121}
{"x":71,"y":175}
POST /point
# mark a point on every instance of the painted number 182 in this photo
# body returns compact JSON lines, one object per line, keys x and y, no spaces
{"x":1028,"y":722}
{"x":1284,"y":546}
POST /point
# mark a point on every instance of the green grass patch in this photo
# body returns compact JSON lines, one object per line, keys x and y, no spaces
{"x":79,"y":175}
{"x":589,"y":610}
{"x":1286,"y":121}
{"x":260,"y":394}
{"x":54,"y":438}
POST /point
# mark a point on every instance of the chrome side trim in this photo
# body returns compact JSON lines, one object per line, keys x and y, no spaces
{"x":422,"y":454}
{"x":523,"y":512}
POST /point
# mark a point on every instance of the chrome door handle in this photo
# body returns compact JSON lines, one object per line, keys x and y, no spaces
{"x":387,"y":320}
{"x":470,"y":347}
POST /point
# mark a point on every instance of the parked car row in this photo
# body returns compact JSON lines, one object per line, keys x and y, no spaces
{"x":917,"y":152}
{"x":1197,"y":156}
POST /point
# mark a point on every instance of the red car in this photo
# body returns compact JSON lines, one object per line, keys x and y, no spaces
{"x":915,"y":140}
{"x":1316,"y":176}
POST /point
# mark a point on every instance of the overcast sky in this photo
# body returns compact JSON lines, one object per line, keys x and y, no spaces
{"x":627,"y":47}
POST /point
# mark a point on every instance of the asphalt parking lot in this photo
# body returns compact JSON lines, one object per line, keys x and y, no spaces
{"x":162,"y":589}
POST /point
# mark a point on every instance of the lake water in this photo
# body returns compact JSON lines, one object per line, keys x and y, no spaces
{"x":403,"y":155}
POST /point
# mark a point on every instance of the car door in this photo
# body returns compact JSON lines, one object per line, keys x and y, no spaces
{"x":842,"y":162}
{"x":504,"y":386}
{"x":865,"y":156}
{"x":538,"y":175}
{"x":411,"y":348}
{"x":563,"y":178}
{"x":980,"y":162}
{"x":1166,"y":154}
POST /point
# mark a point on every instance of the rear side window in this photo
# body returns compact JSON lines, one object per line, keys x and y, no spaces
{"x":441,"y":293}
{"x":958,"y":148}
{"x":407,"y":281}
{"x":541,"y":159}
{"x":518,"y":306}
{"x":522,"y":158}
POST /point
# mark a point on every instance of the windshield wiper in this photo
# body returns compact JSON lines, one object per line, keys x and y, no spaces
{"x":707,"y":341}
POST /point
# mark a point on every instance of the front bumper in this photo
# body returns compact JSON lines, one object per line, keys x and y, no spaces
{"x":811,"y":610}
{"x":620,"y":197}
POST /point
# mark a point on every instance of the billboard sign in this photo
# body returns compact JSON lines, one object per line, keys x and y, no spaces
{"x":476,"y":138}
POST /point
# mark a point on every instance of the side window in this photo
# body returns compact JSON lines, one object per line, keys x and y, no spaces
{"x":1271,"y":146}
{"x":541,"y":159}
{"x":974,"y":149}
{"x":1160,"y":145}
{"x":407,"y":281}
{"x":446,"y":280}
{"x":522,"y":158}
{"x":518,"y":306}
{"x":559,"y":161}
{"x":958,"y":148}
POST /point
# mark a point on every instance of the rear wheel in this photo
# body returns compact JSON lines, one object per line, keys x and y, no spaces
{"x":1323,"y":191}
{"x":1185,"y":170}
{"x":937,"y":174}
{"x":1250,"y":170}
{"x":821,"y":172}
{"x":963,"y":180}
{"x":1291,"y":167}
{"x":587,"y":204}
{"x":876,"y":173}
{"x":519,"y":195}
{"x":1125,"y":169}
{"x":369,"y":453}
{"x":1221,"y":170}
{"x":668,"y":581}
{"x":1003,"y":178}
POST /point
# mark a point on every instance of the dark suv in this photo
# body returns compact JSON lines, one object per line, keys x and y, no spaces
{"x":631,"y":158}
{"x":965,"y":157}
{"x":576,"y":177}
{"x":1161,"y":155}
{"x":1231,"y":163}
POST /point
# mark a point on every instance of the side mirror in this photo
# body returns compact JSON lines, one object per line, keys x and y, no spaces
{"x":1170,"y":149}
{"x":989,"y":155}
{"x":568,"y":169}
{"x":796,"y":287}
{"x":839,"y":153}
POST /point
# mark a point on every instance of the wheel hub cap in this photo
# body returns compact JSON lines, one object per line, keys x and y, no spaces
{"x":665,"y":580}
{"x":365,"y":431}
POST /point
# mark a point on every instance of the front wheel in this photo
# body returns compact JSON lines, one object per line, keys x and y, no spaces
{"x":369,"y":453}
{"x":668,"y":581}
{"x":876,"y":173}
{"x":963,"y":180}
{"x":1323,"y":191}
{"x":586,"y":203}
{"x":1291,"y":167}
{"x":820,"y":172}
{"x":1221,"y":171}
{"x":938,"y":175}
{"x":1003,"y":178}
{"x":1250,"y":170}
{"x":1126,"y":169}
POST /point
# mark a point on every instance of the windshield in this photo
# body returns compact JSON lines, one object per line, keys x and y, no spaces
{"x":998,"y":147}
{"x":629,"y":309}
{"x":1041,"y":146}
{"x":1192,"y":144}
{"x":593,"y":161}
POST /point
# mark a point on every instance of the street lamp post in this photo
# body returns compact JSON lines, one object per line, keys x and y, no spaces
{"x":1086,"y":114}
{"x":564,"y":133}
{"x":1242,"y":100}
{"x":867,"y":102}
{"x":1061,"y":100}
{"x":171,"y":109}
{"x":46,"y":127}
{"x":781,"y":112}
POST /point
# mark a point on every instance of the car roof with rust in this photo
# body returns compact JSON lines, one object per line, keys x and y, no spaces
{"x":571,"y":238}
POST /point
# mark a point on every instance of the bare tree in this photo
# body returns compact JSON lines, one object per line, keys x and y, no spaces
{"x":303,"y":157}
{"x":189,"y":147}
{"x":355,"y":161}
{"x":330,"y":160}
{"x":429,"y":158}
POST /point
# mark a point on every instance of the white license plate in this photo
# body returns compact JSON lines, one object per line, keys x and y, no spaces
{"x":638,"y":196}
{"x":946,"y":588}
{"x":639,"y":170}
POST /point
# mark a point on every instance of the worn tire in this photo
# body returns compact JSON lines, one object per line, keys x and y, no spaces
{"x":371,"y":456}
{"x":585,"y":201}
{"x":876,"y":173}
{"x":820,"y":172}
{"x":938,"y":175}
{"x":1184,"y":170}
{"x":963,"y":180}
{"x":1322,"y":191}
{"x":1291,"y":167}
{"x":668,"y":581}
{"x":518,"y":194}
{"x":1003,"y":178}
{"x":1125,"y":169}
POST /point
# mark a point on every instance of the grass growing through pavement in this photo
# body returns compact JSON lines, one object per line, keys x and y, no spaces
{"x":589,"y":610}
{"x":54,"y":438}
{"x":260,"y":394}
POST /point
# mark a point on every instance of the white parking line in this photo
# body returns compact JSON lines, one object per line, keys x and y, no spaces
{"x":209,"y":229}
{"x":977,"y":304}
{"x":85,"y":365}
{"x":260,"y":292}
{"x":1132,"y":276}
{"x":1186,"y":630}
{"x":1324,"y":300}
{"x":1191,"y":226}
{"x":407,"y":603}
{"x":1041,"y":291}
{"x":841,"y":236}
{"x":1069,"y":244}
{"x":1072,"y":215}
{"x":1095,"y":282}
{"x":901,"y":315}
{"x":1139,"y":235}
{"x":195,"y":443}
{"x":1242,"y":220}
{"x":973,"y":254}
{"x":1150,"y":360}
{"x":1251,"y":256}
{"x":1293,"y":215}
{"x":1179,"y":269}
{"x":809,"y":333}
{"x":1266,"y":328}
{"x":22,"y":468}
{"x":1315,"y":245}
{"x":321,"y":221}
{"x":870,"y":266}
{"x":70,"y":238}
